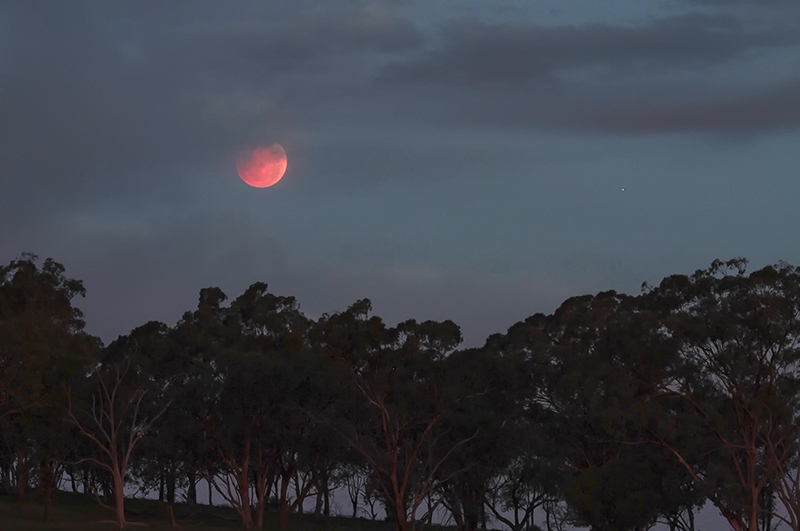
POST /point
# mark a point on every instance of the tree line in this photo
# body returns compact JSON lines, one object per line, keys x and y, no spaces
{"x":615,"y":412}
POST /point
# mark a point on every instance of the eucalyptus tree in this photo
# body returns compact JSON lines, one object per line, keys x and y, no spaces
{"x":115,"y":415}
{"x":257,"y":377}
{"x":497,"y":413}
{"x":274,"y":329}
{"x":737,"y":385}
{"x":169,"y":457}
{"x":198,"y":339}
{"x":397,"y":397}
{"x":598,"y":362}
{"x":42,"y":346}
{"x":38,"y":325}
{"x":227,"y":397}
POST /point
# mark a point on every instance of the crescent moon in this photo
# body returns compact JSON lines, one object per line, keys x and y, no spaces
{"x":262,"y":167}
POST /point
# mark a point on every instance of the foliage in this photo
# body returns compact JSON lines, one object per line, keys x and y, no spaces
{"x":614,"y":412}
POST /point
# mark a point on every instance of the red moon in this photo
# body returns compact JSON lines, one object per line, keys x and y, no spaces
{"x":262,"y":167}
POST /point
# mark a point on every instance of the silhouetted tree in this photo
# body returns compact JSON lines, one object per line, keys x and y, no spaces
{"x":736,"y":386}
{"x":115,"y":420}
{"x":393,"y":411}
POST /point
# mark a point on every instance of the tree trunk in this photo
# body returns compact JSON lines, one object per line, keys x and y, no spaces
{"x":326,"y":507}
{"x":547,"y":518}
{"x":283,"y":519}
{"x":261,"y":499}
{"x":170,"y":483}
{"x":455,"y":508}
{"x":6,"y":481}
{"x":299,"y":496}
{"x":318,"y":507}
{"x":20,"y":474}
{"x":400,"y":515}
{"x":171,"y":515}
{"x":119,"y":497}
{"x":472,"y":506}
{"x":48,"y":483}
{"x":191,"y":492}
{"x":244,"y":493}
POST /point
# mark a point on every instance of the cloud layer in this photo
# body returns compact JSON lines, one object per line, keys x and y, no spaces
{"x":460,"y":157}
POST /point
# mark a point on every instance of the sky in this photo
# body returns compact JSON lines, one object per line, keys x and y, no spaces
{"x":471,"y":160}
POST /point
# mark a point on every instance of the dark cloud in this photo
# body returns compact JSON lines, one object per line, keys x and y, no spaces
{"x":732,"y":3}
{"x":770,"y":108}
{"x":639,"y":110}
{"x":83,"y":102}
{"x":304,"y":36}
{"x":475,"y":52}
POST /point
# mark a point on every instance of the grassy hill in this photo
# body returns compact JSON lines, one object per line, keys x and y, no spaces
{"x":78,"y":512}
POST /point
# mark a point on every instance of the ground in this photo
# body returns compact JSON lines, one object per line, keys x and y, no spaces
{"x":72,"y":512}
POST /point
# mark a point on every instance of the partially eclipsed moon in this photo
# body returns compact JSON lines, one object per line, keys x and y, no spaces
{"x":262,"y":167}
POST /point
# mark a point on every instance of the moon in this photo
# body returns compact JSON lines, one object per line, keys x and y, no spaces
{"x":262,"y":167}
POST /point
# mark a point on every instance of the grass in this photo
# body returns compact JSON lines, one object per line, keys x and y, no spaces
{"x":78,"y":512}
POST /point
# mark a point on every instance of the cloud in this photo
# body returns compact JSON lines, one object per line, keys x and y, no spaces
{"x":773,"y":107}
{"x":79,"y":103}
{"x":478,"y":53}
{"x":302,"y":37}
{"x":732,"y":3}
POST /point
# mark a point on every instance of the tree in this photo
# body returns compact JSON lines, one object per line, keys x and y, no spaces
{"x":497,"y":413}
{"x":115,"y":423}
{"x":273,"y":329}
{"x":598,"y":362}
{"x":42,"y":345}
{"x":737,"y":384}
{"x":169,"y":458}
{"x":37,"y":324}
{"x":397,"y":398}
{"x":255,"y":365}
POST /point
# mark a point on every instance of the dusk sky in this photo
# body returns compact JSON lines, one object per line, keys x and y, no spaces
{"x":471,"y":160}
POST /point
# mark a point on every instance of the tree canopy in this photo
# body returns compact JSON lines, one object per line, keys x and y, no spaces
{"x":614,"y":412}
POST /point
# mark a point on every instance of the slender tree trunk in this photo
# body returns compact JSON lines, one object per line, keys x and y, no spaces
{"x":318,"y":506}
{"x":261,"y":499}
{"x":429,"y":500}
{"x":455,"y":508}
{"x":191,"y":492}
{"x":400,"y":515}
{"x":170,"y":481}
{"x":298,"y":494}
{"x":48,"y":480}
{"x":171,"y":516}
{"x":472,"y":511}
{"x":6,"y":478}
{"x":283,"y":519}
{"x":244,"y":489}
{"x":20,"y":474}
{"x":119,"y":496}
{"x":547,"y":518}
{"x":326,"y":508}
